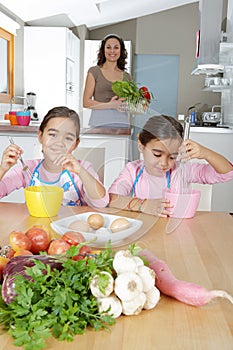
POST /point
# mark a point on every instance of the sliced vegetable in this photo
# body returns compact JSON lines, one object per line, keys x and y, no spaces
{"x":185,"y":292}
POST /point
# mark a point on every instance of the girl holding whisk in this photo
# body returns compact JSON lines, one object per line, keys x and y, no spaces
{"x":140,"y":186}
{"x":59,"y":137}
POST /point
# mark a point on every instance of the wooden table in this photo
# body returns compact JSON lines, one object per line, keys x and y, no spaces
{"x":198,"y":250}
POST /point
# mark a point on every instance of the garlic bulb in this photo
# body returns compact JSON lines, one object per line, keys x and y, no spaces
{"x":128,"y":286}
{"x":135,"y":306}
{"x":152,"y":298}
{"x":124,"y":262}
{"x":148,"y":277}
{"x":112,"y":304}
{"x":138,"y":261}
{"x":103,"y":281}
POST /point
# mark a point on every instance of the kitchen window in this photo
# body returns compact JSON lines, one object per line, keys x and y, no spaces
{"x":6,"y":66}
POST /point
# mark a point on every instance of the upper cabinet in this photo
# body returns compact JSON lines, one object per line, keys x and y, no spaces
{"x":51,"y":67}
{"x":6,"y":66}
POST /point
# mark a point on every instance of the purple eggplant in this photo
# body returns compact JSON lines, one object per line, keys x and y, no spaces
{"x":18,"y":265}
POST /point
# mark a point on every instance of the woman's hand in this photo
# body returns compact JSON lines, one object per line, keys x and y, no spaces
{"x":10,"y":157}
{"x":118,"y":103}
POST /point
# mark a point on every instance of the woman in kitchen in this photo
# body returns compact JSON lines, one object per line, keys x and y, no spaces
{"x":107,"y":109}
{"x":59,"y":137}
{"x":140,"y":186}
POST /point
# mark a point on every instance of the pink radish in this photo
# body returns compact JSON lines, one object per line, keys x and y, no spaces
{"x":185,"y":292}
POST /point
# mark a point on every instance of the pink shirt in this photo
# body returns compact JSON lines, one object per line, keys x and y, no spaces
{"x":14,"y":179}
{"x":149,"y":186}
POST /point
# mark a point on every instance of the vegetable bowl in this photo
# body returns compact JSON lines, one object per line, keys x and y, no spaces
{"x":102,"y":234}
{"x":137,"y":98}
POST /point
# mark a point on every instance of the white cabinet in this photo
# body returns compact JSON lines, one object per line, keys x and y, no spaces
{"x":51,"y":67}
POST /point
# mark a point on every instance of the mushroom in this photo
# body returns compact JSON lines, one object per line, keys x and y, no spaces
{"x":110,"y":305}
{"x":102,"y":285}
{"x":128,"y":286}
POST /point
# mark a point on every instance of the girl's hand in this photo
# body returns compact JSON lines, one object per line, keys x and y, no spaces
{"x":68,"y":162}
{"x":10,"y":157}
{"x":191,"y":150}
{"x":157,"y":207}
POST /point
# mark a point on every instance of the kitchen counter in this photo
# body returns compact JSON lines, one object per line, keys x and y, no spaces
{"x":7,"y":128}
{"x":212,"y":130}
{"x":196,"y":251}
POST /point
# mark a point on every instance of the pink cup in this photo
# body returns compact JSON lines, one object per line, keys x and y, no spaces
{"x":184,"y":204}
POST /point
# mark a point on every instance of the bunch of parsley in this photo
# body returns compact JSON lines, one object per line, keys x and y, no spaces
{"x":55,"y":303}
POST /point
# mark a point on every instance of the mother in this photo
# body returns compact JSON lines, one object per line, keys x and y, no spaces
{"x":107,"y":109}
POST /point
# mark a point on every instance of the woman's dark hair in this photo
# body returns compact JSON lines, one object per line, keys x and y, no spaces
{"x":161,"y":127}
{"x":61,"y":112}
{"x":121,"y":62}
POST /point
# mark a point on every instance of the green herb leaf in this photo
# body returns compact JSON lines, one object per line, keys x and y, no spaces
{"x":59,"y":303}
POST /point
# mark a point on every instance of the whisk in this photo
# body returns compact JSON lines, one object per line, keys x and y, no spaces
{"x":25,"y":167}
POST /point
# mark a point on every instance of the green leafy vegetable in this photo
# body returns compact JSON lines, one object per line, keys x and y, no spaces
{"x":55,"y":303}
{"x":130,"y":91}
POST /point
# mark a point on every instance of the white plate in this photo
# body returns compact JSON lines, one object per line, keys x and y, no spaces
{"x":103,"y":236}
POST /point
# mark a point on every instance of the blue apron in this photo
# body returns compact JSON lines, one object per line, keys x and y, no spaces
{"x":71,"y":193}
{"x":168,"y":178}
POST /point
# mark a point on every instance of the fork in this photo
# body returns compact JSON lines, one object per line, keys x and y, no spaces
{"x":25,"y":167}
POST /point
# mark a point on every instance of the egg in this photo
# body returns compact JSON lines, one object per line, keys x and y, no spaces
{"x":95,"y":221}
{"x":119,"y":224}
{"x":79,"y":225}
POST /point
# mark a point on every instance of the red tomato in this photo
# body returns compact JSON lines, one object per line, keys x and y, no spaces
{"x":39,"y":239}
{"x":18,"y":241}
{"x":58,"y":246}
{"x":7,"y":251}
{"x":23,"y":252}
{"x":145,"y":93}
{"x":82,"y":253}
{"x":73,"y":238}
{"x":3,"y":262}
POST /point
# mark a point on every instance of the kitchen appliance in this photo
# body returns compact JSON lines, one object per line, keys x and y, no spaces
{"x":31,"y":102}
{"x":208,"y":37}
{"x":212,"y":117}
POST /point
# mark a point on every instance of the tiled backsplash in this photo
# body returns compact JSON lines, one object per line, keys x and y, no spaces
{"x":5,"y":108}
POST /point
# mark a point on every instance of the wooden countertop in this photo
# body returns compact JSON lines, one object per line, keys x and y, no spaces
{"x":90,"y":131}
{"x":199,"y":250}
